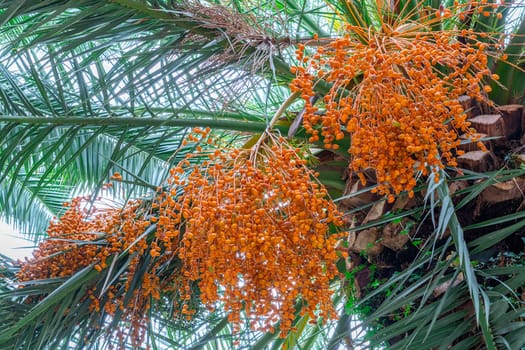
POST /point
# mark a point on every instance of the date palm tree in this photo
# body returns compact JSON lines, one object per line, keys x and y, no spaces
{"x":93,"y":88}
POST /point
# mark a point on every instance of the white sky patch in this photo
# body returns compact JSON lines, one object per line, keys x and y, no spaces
{"x":11,"y":243}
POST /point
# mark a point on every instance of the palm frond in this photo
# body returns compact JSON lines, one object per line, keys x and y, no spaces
{"x":453,"y":293}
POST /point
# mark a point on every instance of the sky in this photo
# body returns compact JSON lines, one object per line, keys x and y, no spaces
{"x":11,"y":244}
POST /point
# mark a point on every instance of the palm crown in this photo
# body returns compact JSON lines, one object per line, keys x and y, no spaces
{"x":95,"y":88}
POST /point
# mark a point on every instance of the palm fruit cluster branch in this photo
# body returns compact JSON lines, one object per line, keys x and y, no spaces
{"x":390,"y":246}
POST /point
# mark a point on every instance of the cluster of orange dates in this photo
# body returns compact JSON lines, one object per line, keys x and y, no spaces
{"x":395,"y":92}
{"x":257,"y":234}
{"x":96,"y":237}
{"x":250,"y":229}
